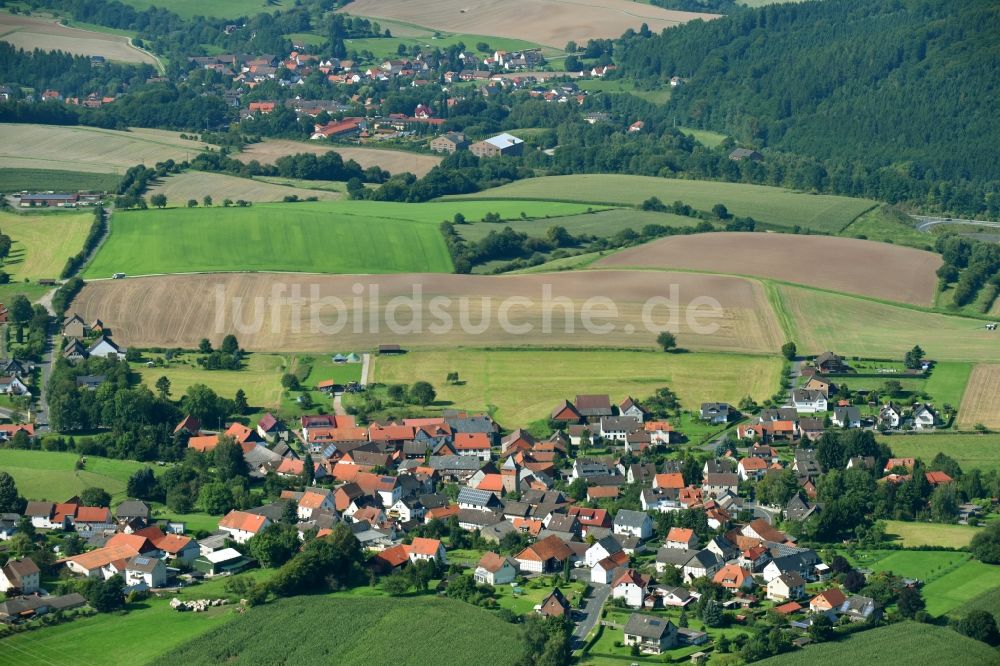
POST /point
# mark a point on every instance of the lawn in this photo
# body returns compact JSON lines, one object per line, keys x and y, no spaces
{"x":17,"y":180}
{"x":111,"y":638}
{"x":768,"y":205}
{"x":354,"y":632}
{"x":906,"y":642}
{"x":520,"y":387}
{"x":988,"y":601}
{"x":851,"y":326}
{"x":704,"y":137}
{"x":532,"y":593}
{"x":945,"y":385}
{"x":969,"y":450}
{"x":382,"y":47}
{"x":260,"y":378}
{"x":50,"y":475}
{"x":912,"y":534}
{"x":320,"y":237}
{"x":42,"y":243}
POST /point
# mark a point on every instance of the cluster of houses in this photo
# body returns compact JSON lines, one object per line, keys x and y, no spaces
{"x":83,"y":341}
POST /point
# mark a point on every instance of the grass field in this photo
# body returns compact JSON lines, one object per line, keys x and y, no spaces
{"x":322,"y":237}
{"x":111,"y":638}
{"x":260,"y":379}
{"x":51,"y":475}
{"x":34,"y":32}
{"x":822,"y":321}
{"x":912,"y":534}
{"x":659,"y":96}
{"x":42,"y":243}
{"x":931,"y":646}
{"x":354,"y":633}
{"x":704,"y":137}
{"x":850,"y":265}
{"x":981,"y":403}
{"x":17,"y":180}
{"x":768,"y":205}
{"x":523,"y":386}
{"x":393,"y":161}
{"x":707,"y":312}
{"x":196,"y":184}
{"x":216,"y":8}
{"x":382,"y":47}
{"x":598,"y":223}
{"x":969,"y":450}
{"x":548,"y":22}
{"x":988,"y":601}
{"x":887,"y":224}
{"x":89,"y":149}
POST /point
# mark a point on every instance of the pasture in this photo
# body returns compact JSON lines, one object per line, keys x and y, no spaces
{"x":260,"y":379}
{"x":969,"y":450}
{"x":196,"y":184}
{"x":354,"y":634}
{"x":848,"y":265}
{"x":18,"y":180}
{"x":35,"y":32}
{"x":215,"y":9}
{"x":932,"y":646}
{"x":912,"y":535}
{"x":981,"y":403}
{"x":382,"y":47}
{"x":393,"y":161}
{"x":704,"y":137}
{"x":51,"y":475}
{"x":89,"y":149}
{"x":822,"y":321}
{"x":41,"y":243}
{"x":658,"y":96}
{"x":601,"y":223}
{"x":884,"y":223}
{"x":521,"y":387}
{"x":768,"y":205}
{"x":549,"y":22}
{"x":558,"y":309}
{"x":301,"y":237}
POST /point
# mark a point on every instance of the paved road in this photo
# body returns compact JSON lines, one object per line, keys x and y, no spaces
{"x":591,"y":613}
{"x":45,"y":371}
{"x":924,"y":224}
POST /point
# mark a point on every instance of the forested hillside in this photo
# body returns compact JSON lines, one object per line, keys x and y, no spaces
{"x":907,"y":86}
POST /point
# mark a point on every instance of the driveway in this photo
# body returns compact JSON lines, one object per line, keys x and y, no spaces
{"x":591,"y":613}
{"x":366,"y":360}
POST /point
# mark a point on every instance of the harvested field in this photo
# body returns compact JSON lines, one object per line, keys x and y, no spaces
{"x":89,"y":149}
{"x":393,"y":161}
{"x":177,"y":311}
{"x":550,"y":22}
{"x":855,"y":266}
{"x":32,"y":32}
{"x":768,"y":205}
{"x":196,"y":184}
{"x":821,"y":321}
{"x":981,"y":402}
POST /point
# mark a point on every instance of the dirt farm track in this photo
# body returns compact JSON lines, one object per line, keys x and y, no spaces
{"x":177,"y":311}
{"x":30,"y":32}
{"x":848,"y":265}
{"x":547,"y":22}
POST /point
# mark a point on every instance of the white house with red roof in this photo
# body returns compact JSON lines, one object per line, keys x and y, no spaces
{"x":681,"y":537}
{"x":426,"y":549}
{"x":313,"y":501}
{"x":243,"y":526}
{"x":630,"y":586}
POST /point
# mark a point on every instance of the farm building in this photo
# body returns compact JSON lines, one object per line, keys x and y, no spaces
{"x":502,"y":144}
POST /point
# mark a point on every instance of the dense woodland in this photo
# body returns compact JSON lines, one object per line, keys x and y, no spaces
{"x":897,"y":96}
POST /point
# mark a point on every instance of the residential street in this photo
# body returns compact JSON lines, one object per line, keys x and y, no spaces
{"x":591,"y":613}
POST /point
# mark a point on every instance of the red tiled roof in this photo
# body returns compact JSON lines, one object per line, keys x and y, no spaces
{"x":491,"y":482}
{"x":551,"y":547}
{"x":422,"y":546}
{"x":601,"y":492}
{"x":471,"y":441}
{"x":204,"y":443}
{"x":311,"y":499}
{"x":240,"y":520}
{"x":93,"y":514}
{"x":788,"y":609}
{"x":669,"y":480}
{"x":680,"y":534}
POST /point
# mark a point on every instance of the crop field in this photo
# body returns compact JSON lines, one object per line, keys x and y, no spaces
{"x":42,"y":243}
{"x":981,"y":403}
{"x":988,"y":601}
{"x":260,"y":379}
{"x":913,"y":535}
{"x":284,"y":237}
{"x":549,"y":22}
{"x":382,"y":47}
{"x":393,"y":161}
{"x":110,"y":637}
{"x":931,"y":646}
{"x":524,"y":386}
{"x":597,"y":223}
{"x":216,"y":8}
{"x":51,"y":475}
{"x":822,"y":321}
{"x":32,"y":32}
{"x":969,"y":450}
{"x":354,"y":634}
{"x":89,"y":149}
{"x":846,"y":265}
{"x":472,"y":310}
{"x":196,"y":184}
{"x":17,"y":180}
{"x":768,"y":205}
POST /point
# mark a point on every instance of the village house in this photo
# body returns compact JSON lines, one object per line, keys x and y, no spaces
{"x":500,"y":145}
{"x":494,"y":569}
{"x":829,"y":363}
{"x":786,"y":587}
{"x":653,"y":635}
{"x":846,"y":417}
{"x":680,"y":537}
{"x":450,"y":142}
{"x":827,"y":600}
{"x":544,"y":555}
{"x":20,"y":575}
{"x":145,"y":573}
{"x":630,"y":586}
{"x":715,"y":412}
{"x":242,"y":526}
{"x":808,"y":402}
{"x":734,"y":578}
{"x":633,"y":523}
